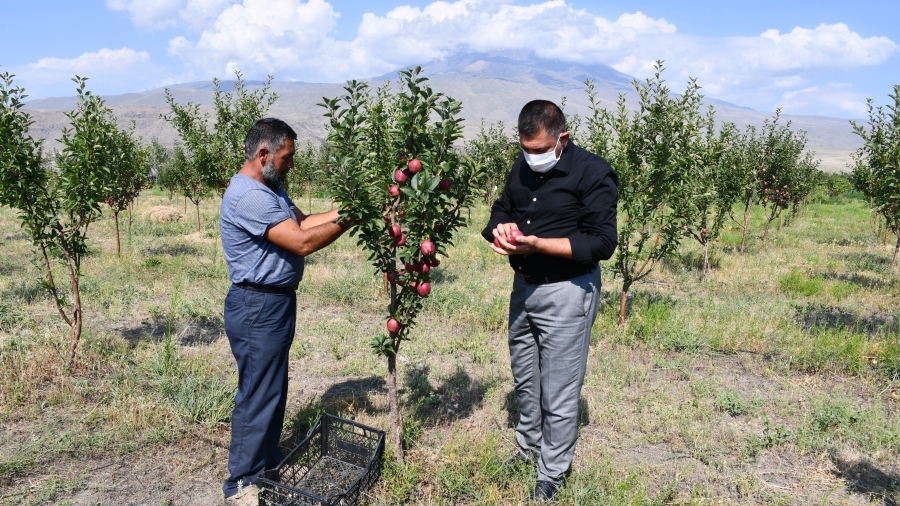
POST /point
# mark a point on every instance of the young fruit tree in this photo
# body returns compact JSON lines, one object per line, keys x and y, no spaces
{"x":786,"y":174}
{"x":56,"y":207}
{"x":876,"y":168}
{"x":741,"y":178}
{"x":714,"y":197}
{"x":495,"y":149}
{"x":395,"y":173}
{"x":655,"y":150}
{"x":206,"y":159}
{"x":128,"y":172}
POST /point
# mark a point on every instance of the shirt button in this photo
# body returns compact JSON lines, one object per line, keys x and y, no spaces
{"x":528,"y":222}
{"x":534,"y":200}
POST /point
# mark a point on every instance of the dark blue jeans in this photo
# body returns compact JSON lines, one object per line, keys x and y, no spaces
{"x":260,"y":328}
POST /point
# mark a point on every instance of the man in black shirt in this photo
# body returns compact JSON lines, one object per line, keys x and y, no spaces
{"x":556,"y":219}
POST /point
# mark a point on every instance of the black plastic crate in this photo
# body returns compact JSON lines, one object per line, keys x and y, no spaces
{"x":335,"y":465}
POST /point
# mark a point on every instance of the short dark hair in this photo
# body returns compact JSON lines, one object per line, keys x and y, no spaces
{"x":541,"y":116}
{"x":269,"y":133}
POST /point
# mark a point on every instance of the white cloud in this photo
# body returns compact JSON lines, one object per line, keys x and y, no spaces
{"x":832,"y":96}
{"x":264,"y":36}
{"x":107,"y":68}
{"x":292,"y":39}
{"x":158,"y":14}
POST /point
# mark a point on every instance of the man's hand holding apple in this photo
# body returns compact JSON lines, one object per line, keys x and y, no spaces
{"x":509,"y":240}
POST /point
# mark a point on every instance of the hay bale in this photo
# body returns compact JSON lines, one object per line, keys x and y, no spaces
{"x":162,"y":214}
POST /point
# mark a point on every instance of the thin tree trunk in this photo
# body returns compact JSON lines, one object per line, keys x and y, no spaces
{"x":780,"y":221}
{"x":118,"y":241}
{"x":622,"y":301}
{"x":705,"y":269}
{"x":887,"y":230}
{"x":744,"y":230}
{"x":76,"y":314}
{"x":185,"y":205}
{"x":52,"y":286}
{"x":896,"y":249}
{"x":395,"y":407}
{"x":198,"y":215}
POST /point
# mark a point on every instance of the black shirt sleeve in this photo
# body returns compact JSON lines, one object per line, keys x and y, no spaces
{"x":597,"y":238}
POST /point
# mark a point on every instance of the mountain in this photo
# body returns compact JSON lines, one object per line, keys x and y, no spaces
{"x":492,"y":87}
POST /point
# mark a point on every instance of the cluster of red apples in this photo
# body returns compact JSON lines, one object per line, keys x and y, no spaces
{"x":428,"y":248}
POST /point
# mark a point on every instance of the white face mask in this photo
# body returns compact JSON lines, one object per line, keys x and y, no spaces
{"x":543,"y":162}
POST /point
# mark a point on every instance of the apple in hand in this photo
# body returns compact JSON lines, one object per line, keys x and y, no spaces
{"x":514,"y":235}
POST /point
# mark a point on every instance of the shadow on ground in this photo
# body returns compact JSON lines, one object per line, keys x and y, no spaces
{"x":814,"y":316}
{"x":197,"y":331}
{"x":457,"y":397}
{"x":863,"y":477}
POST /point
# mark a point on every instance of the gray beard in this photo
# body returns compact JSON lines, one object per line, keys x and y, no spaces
{"x":272,"y":178}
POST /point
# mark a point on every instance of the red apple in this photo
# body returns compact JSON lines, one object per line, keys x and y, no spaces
{"x":497,"y":242}
{"x":394,"y":191}
{"x":424,"y":289}
{"x":445,"y":184}
{"x":393,"y":326}
{"x":392,"y":277}
{"x":400,"y":240}
{"x":399,"y":176}
{"x":402,"y":157}
{"x":409,"y":267}
{"x":414,"y":165}
{"x":387,"y":219}
{"x":394,"y":231}
{"x":514,"y":236}
{"x":427,"y":248}
{"x":435,"y":262}
{"x":424,"y":267}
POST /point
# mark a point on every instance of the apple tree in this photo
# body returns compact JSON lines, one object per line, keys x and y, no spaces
{"x":128,"y":176}
{"x":395,"y":174}
{"x":56,"y":206}
{"x":654,"y":151}
{"x":495,"y":149}
{"x":205,"y":159}
{"x":876,"y":168}
{"x":714,"y":194}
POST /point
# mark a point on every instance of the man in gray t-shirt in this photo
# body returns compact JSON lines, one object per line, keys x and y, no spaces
{"x":265,"y":239}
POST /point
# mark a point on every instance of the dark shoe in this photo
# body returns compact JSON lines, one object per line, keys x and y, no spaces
{"x":544,"y":491}
{"x":522,"y":457}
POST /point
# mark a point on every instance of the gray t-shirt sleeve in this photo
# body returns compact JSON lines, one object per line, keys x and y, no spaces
{"x":257,"y":211}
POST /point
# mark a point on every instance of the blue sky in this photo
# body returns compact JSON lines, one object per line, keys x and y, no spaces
{"x":806,"y":57}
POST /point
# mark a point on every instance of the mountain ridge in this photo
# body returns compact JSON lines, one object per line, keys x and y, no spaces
{"x":492,"y":87}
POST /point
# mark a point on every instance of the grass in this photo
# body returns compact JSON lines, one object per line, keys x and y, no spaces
{"x":773,"y":382}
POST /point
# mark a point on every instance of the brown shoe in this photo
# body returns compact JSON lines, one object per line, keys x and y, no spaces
{"x":246,"y":496}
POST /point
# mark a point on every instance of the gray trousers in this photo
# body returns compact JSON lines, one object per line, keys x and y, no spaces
{"x":549,"y":335}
